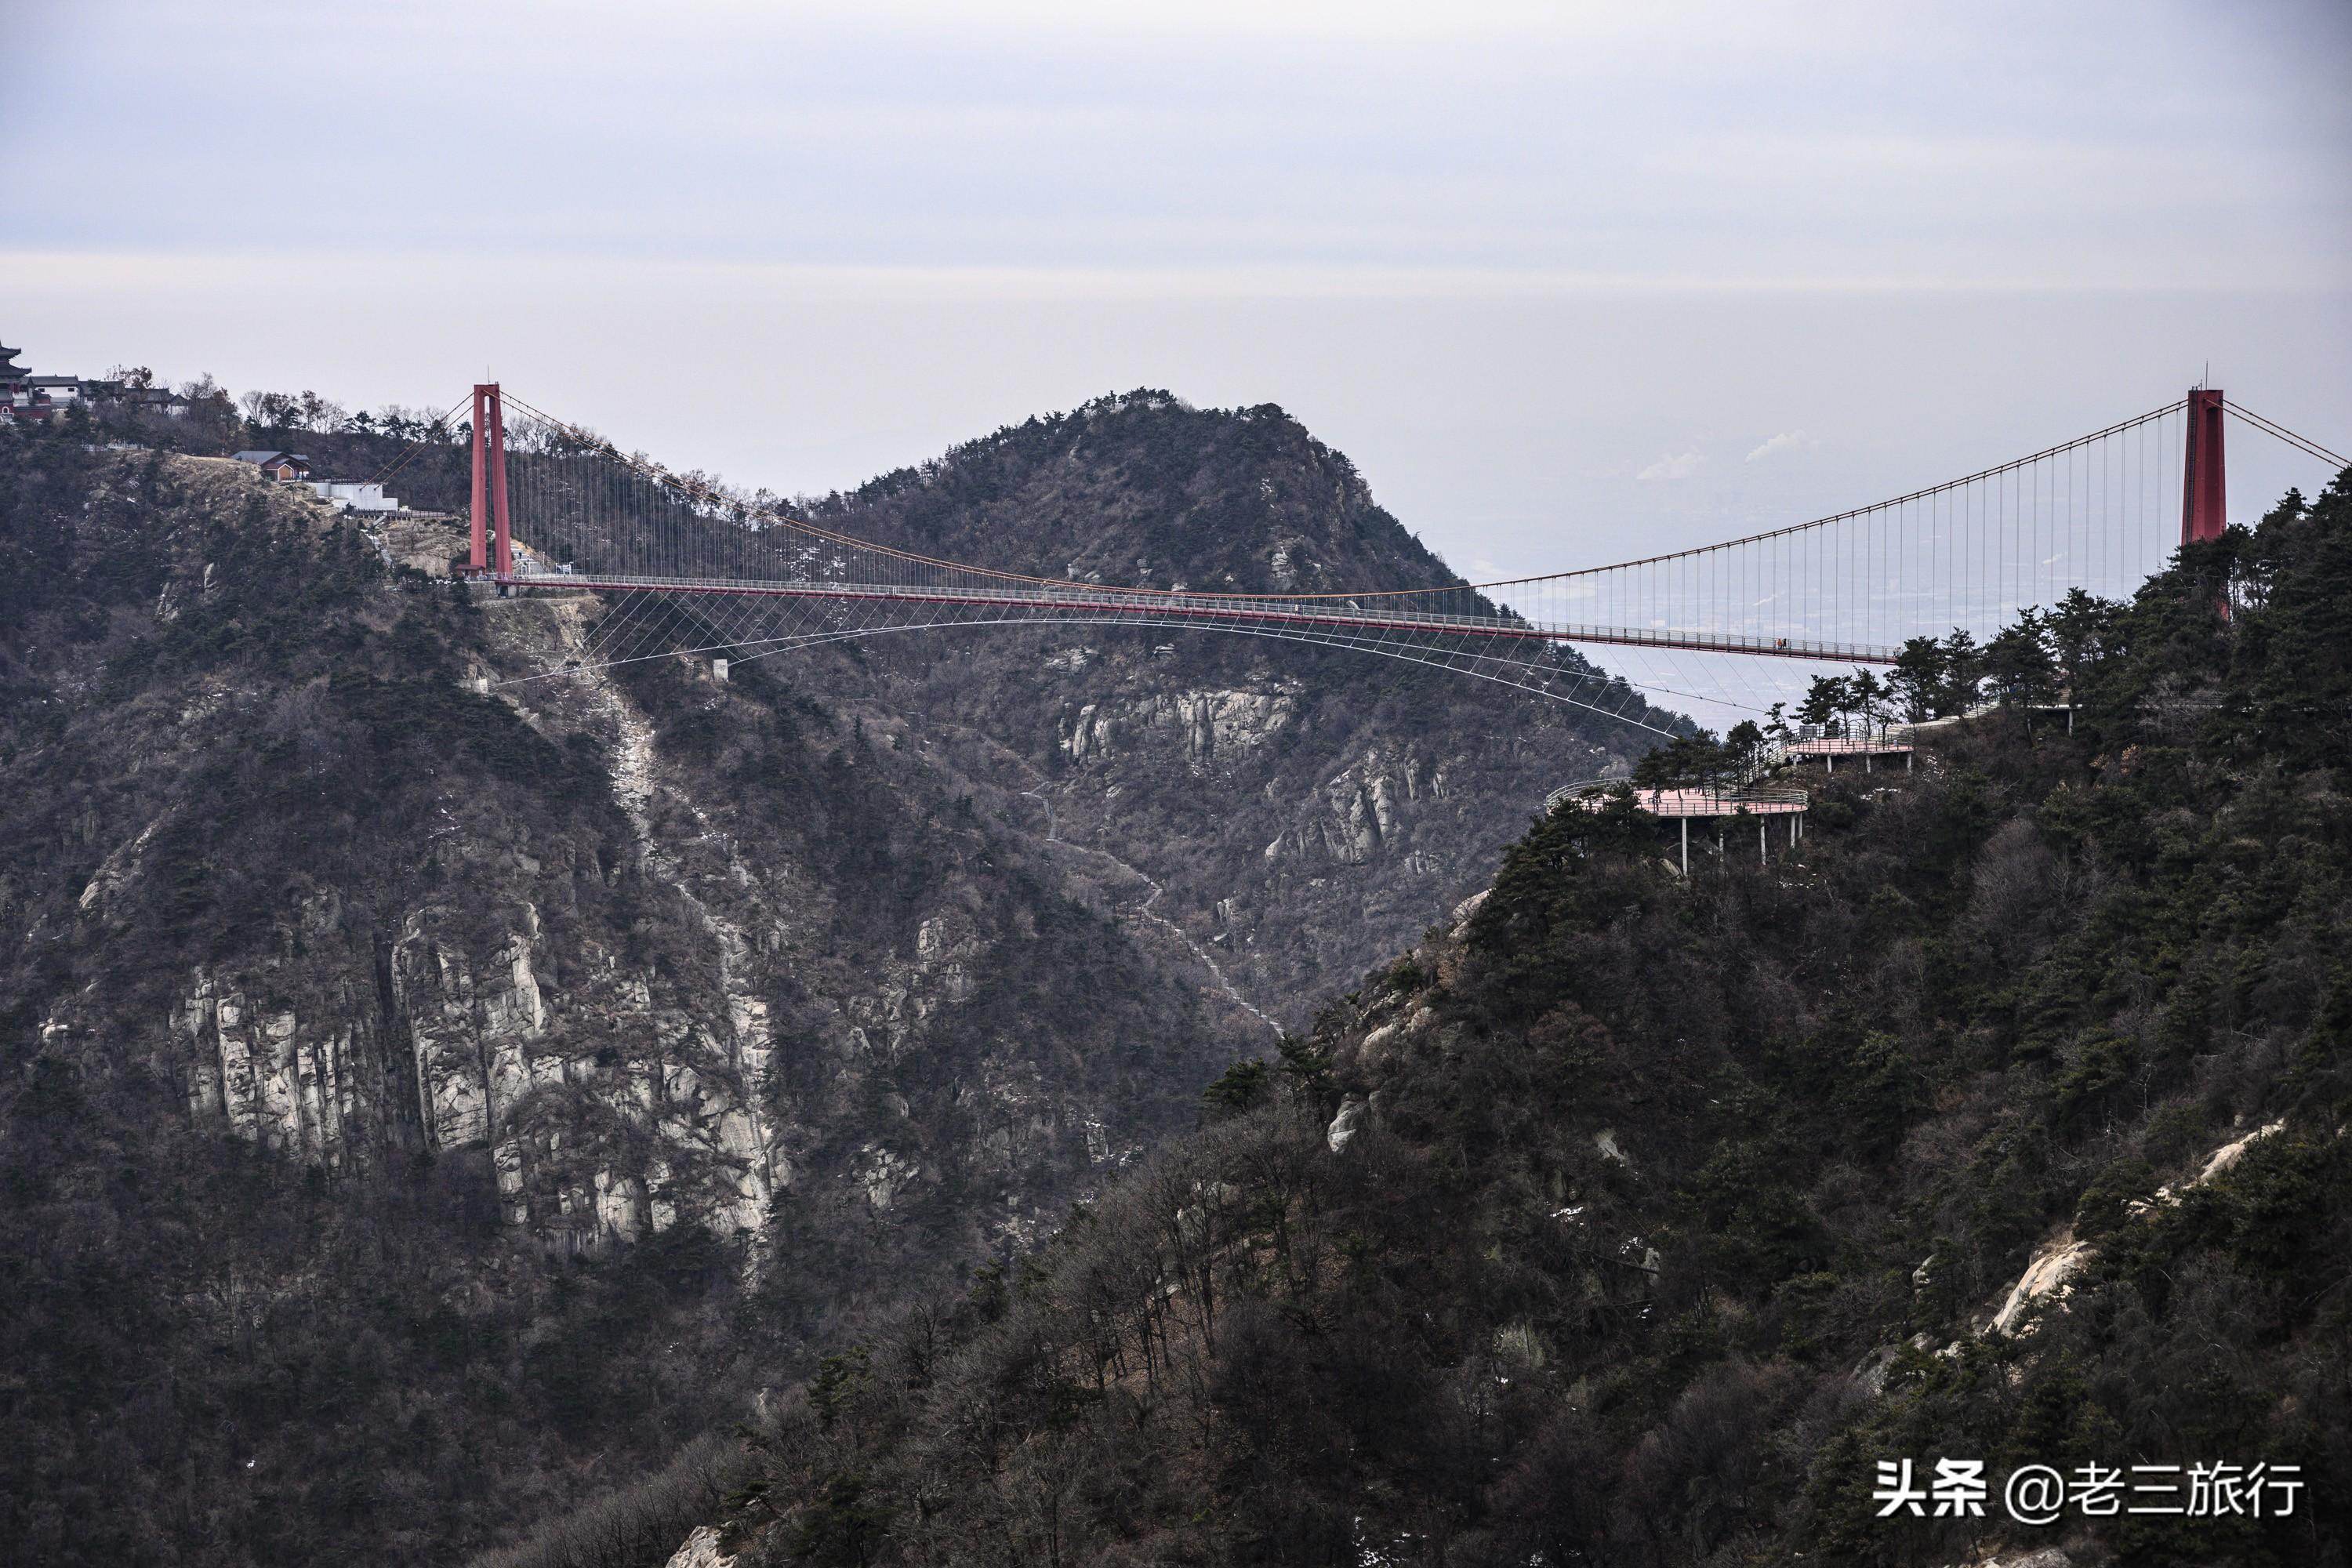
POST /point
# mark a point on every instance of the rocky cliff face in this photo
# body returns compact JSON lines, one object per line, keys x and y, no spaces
{"x":623,"y":1080}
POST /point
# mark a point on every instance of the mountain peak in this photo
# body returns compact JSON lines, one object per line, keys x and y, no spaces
{"x":1144,"y":488}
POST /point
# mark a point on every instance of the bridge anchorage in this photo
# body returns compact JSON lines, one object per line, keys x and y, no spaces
{"x":688,"y":568}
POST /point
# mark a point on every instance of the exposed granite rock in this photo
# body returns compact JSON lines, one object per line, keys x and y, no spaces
{"x":701,"y":1551}
{"x":1345,"y":1125}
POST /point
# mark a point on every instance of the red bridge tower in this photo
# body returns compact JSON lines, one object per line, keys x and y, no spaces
{"x":493,"y":554}
{"x":2203,"y":495}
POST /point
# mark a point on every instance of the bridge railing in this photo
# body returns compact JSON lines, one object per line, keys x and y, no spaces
{"x":1149,"y":605}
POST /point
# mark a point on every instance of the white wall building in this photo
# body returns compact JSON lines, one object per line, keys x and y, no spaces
{"x":353,"y":495}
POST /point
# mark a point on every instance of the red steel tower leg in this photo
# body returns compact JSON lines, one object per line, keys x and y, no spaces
{"x":480,"y":511}
{"x":493,"y":541}
{"x":2204,"y":495}
{"x":503,"y":538}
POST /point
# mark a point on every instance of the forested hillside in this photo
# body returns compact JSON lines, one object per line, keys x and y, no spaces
{"x":1631,"y":1220}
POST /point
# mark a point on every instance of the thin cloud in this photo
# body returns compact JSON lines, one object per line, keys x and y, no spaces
{"x":1785,"y":440}
{"x":1676,"y":467}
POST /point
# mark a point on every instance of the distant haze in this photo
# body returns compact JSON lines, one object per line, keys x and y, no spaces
{"x":1567,"y":282}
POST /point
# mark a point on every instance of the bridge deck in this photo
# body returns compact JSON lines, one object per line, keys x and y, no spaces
{"x":1160,"y":608}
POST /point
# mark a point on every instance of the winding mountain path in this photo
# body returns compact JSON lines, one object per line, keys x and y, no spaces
{"x":1143,"y":909}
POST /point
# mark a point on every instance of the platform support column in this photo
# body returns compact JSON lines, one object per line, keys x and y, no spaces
{"x":1763,"y":853}
{"x":1685,"y":848}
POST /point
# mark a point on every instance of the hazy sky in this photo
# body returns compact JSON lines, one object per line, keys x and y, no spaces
{"x":1565,"y":280}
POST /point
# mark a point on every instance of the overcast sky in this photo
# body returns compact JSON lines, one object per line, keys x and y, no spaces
{"x":1563,"y":279}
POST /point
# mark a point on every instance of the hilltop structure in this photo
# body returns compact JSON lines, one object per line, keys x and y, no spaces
{"x":32,"y":399}
{"x":13,"y":387}
{"x":287,"y":467}
{"x":294,"y":468}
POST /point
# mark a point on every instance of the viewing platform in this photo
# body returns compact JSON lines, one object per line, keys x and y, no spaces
{"x":1702,"y":801}
{"x":1686,"y":800}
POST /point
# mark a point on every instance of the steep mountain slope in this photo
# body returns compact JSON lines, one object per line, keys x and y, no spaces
{"x":1634,"y":1220}
{"x":345,"y":1006}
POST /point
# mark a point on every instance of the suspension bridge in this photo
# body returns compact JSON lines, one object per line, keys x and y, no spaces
{"x":686,"y":567}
